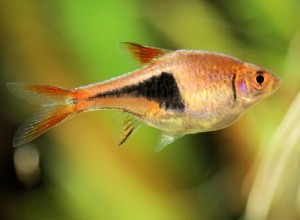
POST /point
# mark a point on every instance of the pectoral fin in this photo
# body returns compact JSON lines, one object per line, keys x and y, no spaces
{"x":165,"y":139}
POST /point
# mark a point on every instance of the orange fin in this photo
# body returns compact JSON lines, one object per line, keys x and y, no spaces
{"x":57,"y":105}
{"x":144,"y":54}
{"x":130,"y":125}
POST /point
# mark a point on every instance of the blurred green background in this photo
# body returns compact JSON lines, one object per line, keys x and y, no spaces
{"x":75,"y":171}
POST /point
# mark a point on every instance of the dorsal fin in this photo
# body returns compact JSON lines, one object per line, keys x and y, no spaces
{"x":142,"y":53}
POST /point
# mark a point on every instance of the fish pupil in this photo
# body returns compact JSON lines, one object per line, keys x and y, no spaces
{"x":260,"y":79}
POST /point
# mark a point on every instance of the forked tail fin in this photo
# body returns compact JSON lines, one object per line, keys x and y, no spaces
{"x":57,"y":105}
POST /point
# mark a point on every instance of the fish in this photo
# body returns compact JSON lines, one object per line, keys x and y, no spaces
{"x":178,"y":92}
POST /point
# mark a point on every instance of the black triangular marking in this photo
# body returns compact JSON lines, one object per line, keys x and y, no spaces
{"x":162,"y":89}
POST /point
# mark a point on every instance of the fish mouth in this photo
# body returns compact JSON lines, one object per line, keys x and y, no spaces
{"x":277,"y":83}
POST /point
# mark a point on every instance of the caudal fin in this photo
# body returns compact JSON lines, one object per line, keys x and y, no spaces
{"x":57,"y":105}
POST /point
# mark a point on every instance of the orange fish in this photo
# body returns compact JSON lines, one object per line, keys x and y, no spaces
{"x":179,"y":92}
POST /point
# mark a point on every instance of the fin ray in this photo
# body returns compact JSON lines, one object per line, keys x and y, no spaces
{"x":130,"y":125}
{"x":57,"y":105}
{"x":40,"y":94}
{"x":41,"y":121}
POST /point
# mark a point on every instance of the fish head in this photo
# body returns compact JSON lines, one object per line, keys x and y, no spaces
{"x":254,"y":83}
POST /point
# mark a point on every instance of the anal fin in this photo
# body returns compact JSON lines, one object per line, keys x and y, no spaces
{"x":130,"y":125}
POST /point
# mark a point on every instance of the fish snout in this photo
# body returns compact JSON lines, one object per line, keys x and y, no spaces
{"x":276,"y":83}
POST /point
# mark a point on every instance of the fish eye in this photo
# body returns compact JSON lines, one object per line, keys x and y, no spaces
{"x":260,"y":79}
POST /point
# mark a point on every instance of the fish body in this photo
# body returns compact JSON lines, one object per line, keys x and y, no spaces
{"x":179,"y":92}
